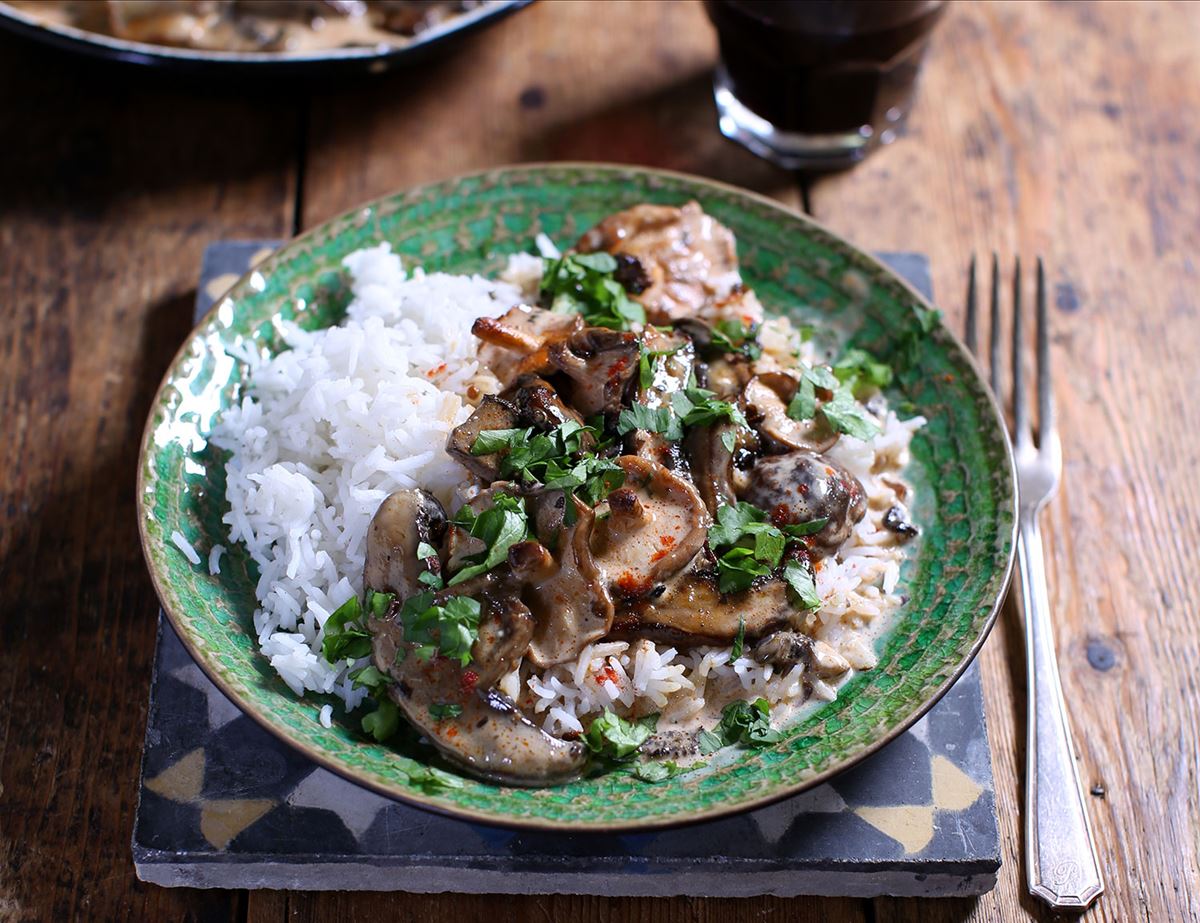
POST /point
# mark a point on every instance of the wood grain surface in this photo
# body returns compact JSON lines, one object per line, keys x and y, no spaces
{"x":1068,"y":130}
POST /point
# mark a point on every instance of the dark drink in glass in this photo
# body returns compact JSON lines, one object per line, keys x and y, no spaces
{"x":818,"y":83}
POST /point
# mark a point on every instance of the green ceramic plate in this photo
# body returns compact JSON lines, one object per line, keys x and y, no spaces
{"x":962,"y":469}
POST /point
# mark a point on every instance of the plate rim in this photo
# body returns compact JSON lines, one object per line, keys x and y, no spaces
{"x":428,"y":803}
{"x":110,"y":47}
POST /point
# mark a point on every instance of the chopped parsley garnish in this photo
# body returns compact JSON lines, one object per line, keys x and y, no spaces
{"x":439,"y":711}
{"x":739,"y":640}
{"x":384,"y":721}
{"x":701,"y":407}
{"x":556,"y":459}
{"x":860,"y":366}
{"x":583,"y":283}
{"x":346,"y":635}
{"x":843,"y":412}
{"x":690,"y":407}
{"x":732,"y":336}
{"x":748,"y":546}
{"x":661,"y":770}
{"x":744,"y":723}
{"x":655,"y":419}
{"x":449,"y":629}
{"x":648,"y":360}
{"x":613,"y":738}
{"x":799,"y":577}
{"x":499,"y":528}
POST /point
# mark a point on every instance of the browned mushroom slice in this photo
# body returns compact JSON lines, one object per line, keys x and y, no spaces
{"x":671,"y":358}
{"x":764,"y":403}
{"x":600,"y":362}
{"x":457,"y":709}
{"x":803,"y":486}
{"x":492,"y":413}
{"x":403,"y":521}
{"x":538,"y":404}
{"x":692,"y":610}
{"x":516,"y":343}
{"x":712,"y":463}
{"x":688,"y":258}
{"x":572,"y":607}
{"x":656,"y":524}
{"x":787,"y":648}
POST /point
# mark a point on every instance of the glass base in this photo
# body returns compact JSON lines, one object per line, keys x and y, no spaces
{"x":791,"y":150}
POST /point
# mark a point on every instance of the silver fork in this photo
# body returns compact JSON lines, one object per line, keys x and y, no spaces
{"x":1060,"y":852}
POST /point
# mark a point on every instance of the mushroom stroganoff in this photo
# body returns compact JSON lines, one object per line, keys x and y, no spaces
{"x":674,"y":520}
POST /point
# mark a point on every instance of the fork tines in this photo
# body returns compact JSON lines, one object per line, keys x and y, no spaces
{"x":1022,"y":425}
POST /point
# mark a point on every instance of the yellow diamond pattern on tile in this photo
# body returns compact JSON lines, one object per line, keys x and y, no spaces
{"x":223,"y":819}
{"x":181,"y":781}
{"x":911,"y":825}
{"x":953,"y":789}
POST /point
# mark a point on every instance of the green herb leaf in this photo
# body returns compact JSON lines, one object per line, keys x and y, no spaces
{"x":345,"y":637}
{"x":499,"y":528}
{"x":739,"y":640}
{"x":384,"y":721}
{"x":369,"y":677}
{"x":377,"y":603}
{"x":490,"y":441}
{"x":660,"y":771}
{"x":799,"y":577}
{"x":860,"y":365}
{"x":655,"y":419}
{"x":611,"y":737}
{"x":583,"y":283}
{"x":800,"y":529}
{"x":450,"y":629}
{"x":748,"y":724}
{"x":701,"y":407}
{"x":737,"y":569}
{"x":439,"y":711}
{"x":710,"y":742}
{"x":730,"y":335}
{"x":648,"y":361}
{"x":745,"y":723}
{"x":846,"y":415}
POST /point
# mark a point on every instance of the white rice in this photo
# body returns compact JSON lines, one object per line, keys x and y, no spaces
{"x":185,"y":546}
{"x":214,"y":559}
{"x":330,"y":427}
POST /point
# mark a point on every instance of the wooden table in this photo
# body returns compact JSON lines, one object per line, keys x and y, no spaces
{"x":1067,"y":130}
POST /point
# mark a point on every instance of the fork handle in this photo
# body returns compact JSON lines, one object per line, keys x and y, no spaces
{"x":1060,"y":853}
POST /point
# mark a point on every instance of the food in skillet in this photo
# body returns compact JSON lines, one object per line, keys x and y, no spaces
{"x":602,"y":513}
{"x":251,"y":25}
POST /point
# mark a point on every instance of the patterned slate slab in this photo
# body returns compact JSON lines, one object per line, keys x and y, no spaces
{"x":225,"y":804}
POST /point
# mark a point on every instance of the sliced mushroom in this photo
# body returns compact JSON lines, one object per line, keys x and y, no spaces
{"x":669,"y":374}
{"x":688,"y":258}
{"x":725,"y":376}
{"x":488,"y":735}
{"x":403,"y":521}
{"x":492,"y":413}
{"x":765,"y":401}
{"x":516,"y":343}
{"x":572,"y":607}
{"x":600,"y":362}
{"x":656,"y":524}
{"x":692,"y":610}
{"x":803,"y":486}
{"x":538,"y":404}
{"x":787,"y":648}
{"x":711,"y":461}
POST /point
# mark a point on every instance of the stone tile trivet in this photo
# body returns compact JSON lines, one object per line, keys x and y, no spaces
{"x":224,"y":804}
